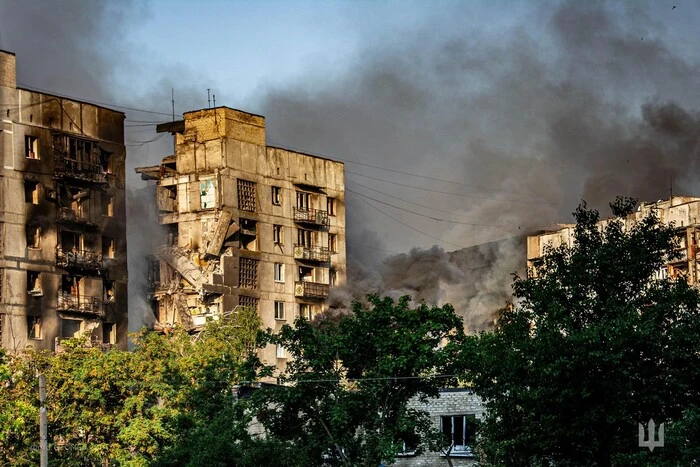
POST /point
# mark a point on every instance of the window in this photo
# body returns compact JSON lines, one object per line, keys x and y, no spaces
{"x":31,"y":147}
{"x":333,"y":243}
{"x":34,"y":237}
{"x":31,"y":192}
{"x":34,"y":327}
{"x":305,"y":311}
{"x":304,"y":238}
{"x":70,"y":327}
{"x":279,"y":272}
{"x":332,"y":277}
{"x":277,"y":234}
{"x":207,"y":194}
{"x":276,"y":195}
{"x":108,"y":247}
{"x":459,"y":431}
{"x":306,"y":274}
{"x":248,"y":302}
{"x":279,"y":310}
{"x":246,"y":195}
{"x":106,"y":161}
{"x":108,"y":333}
{"x":34,"y":283}
{"x":109,"y":290}
{"x":281,"y":352}
{"x":303,"y":201}
{"x":330,"y":206}
{"x":248,"y":273}
{"x":107,"y":205}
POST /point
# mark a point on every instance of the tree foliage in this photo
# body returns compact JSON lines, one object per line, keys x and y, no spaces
{"x":596,"y":344}
{"x":349,"y":382}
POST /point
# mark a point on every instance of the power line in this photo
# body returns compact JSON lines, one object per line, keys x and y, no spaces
{"x":450,"y":193}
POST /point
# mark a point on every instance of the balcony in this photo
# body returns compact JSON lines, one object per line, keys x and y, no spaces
{"x":74,"y":217}
{"x":65,"y":167}
{"x":313,"y":253}
{"x":312,"y":217}
{"x":76,"y":304}
{"x":311,"y":289}
{"x":84,"y":260}
{"x":60,"y":346}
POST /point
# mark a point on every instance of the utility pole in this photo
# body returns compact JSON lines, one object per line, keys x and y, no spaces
{"x":43,"y":435}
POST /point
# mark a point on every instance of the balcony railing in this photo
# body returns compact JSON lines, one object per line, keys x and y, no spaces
{"x":103,"y":346}
{"x":76,"y":217}
{"x":313,"y":253}
{"x":78,"y":259}
{"x":88,"y":305}
{"x":65,"y":167}
{"x":311,"y":289}
{"x":312,"y":216}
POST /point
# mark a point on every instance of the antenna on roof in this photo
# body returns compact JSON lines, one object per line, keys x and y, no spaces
{"x":214,"y":96}
{"x":172,"y":100}
{"x":208,"y":99}
{"x":670,"y":186}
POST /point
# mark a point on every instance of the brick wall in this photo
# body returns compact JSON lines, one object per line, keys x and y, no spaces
{"x":8,"y":70}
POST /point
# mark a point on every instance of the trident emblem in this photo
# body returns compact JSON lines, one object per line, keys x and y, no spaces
{"x":648,"y":439}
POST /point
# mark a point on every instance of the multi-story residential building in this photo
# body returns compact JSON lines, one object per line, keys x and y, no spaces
{"x":245,"y":224}
{"x":682,"y":211}
{"x":63,"y":266}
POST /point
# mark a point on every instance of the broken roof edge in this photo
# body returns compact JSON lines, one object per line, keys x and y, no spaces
{"x":70,"y":99}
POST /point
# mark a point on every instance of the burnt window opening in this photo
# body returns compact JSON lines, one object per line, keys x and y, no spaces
{"x":246,"y":195}
{"x":248,"y":302}
{"x":106,"y":161}
{"x":248,"y":234}
{"x":79,"y":202}
{"x":333,"y":277}
{"x":304,"y":238}
{"x":248,"y":273}
{"x":34,"y":237}
{"x":109,"y":335}
{"x":306,"y":274}
{"x":277,"y":234}
{"x":107,"y":205}
{"x":34,"y":327}
{"x":108,"y":247}
{"x":333,"y":243}
{"x":34,"y":283}
{"x":109,"y":291}
{"x":303,"y":201}
{"x":31,"y":147}
{"x":70,"y":327}
{"x":31,"y":192}
{"x":459,"y":431}
{"x":73,"y":285}
{"x":276,"y":195}
{"x":75,"y":242}
{"x":307,"y":311}
{"x":330,"y":206}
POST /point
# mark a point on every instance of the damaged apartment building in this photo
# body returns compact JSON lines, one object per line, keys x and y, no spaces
{"x":63,"y":269}
{"x":682,"y":211}
{"x":246,"y":224}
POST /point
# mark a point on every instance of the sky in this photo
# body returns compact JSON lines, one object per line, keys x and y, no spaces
{"x":460,"y":123}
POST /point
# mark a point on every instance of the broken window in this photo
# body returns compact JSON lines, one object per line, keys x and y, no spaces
{"x":248,"y":234}
{"x":31,"y":192}
{"x":281,"y":352}
{"x":34,"y":283}
{"x":248,"y":302}
{"x":31,"y":147}
{"x":306,"y":274}
{"x":80,"y":202}
{"x":207,"y":194}
{"x":33,"y":237}
{"x":459,"y":431}
{"x":108,"y":333}
{"x":276,"y":195}
{"x":246,"y":195}
{"x":107,"y":205}
{"x":108,"y":247}
{"x":303,"y":201}
{"x":279,"y":272}
{"x":279,"y":310}
{"x":34,"y":327}
{"x":73,"y":285}
{"x":304,"y":238}
{"x":70,"y":327}
{"x":330,"y":206}
{"x":277,"y":234}
{"x":248,"y":273}
{"x":333,"y":243}
{"x":106,"y":161}
{"x":109,"y":290}
{"x":305,"y":311}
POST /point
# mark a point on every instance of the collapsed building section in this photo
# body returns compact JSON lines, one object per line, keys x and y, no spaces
{"x":246,"y":224}
{"x":681,"y":211}
{"x":63,"y":269}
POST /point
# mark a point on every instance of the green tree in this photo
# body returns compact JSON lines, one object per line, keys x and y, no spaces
{"x":348,"y":382}
{"x":595,"y":345}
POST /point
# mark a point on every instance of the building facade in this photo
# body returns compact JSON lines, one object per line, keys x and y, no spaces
{"x":63,"y":270}
{"x":245,"y":224}
{"x":682,"y":211}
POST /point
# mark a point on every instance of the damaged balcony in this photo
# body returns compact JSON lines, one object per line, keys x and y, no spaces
{"x":72,"y":216}
{"x":77,"y":304}
{"x":310,"y":216}
{"x":313,"y":253}
{"x":79,"y":159}
{"x":311,"y":289}
{"x":84,"y":260}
